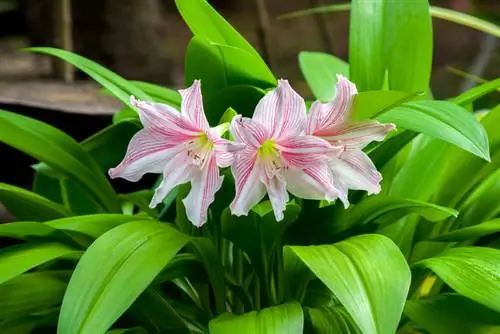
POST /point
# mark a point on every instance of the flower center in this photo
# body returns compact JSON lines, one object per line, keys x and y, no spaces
{"x":269,"y":154}
{"x":199,"y":150}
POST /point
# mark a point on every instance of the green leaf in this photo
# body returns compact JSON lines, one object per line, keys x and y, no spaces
{"x":443,"y":120}
{"x":28,"y":324}
{"x":471,"y":271}
{"x":26,"y":205}
{"x":331,"y":320}
{"x":383,"y":210}
{"x":285,"y":318}
{"x":373,"y":103}
{"x":436,"y":12}
{"x":452,"y":313}
{"x":141,"y":199}
{"x":408,"y":43}
{"x":117,"y":85}
{"x":135,"y":330}
{"x":47,"y":187}
{"x":59,"y":151}
{"x":26,"y":230}
{"x":476,"y":93}
{"x":105,"y":282}
{"x":471,"y":232}
{"x":320,"y":71}
{"x":93,"y":225}
{"x":367,"y":59}
{"x":16,"y":260}
{"x":32,"y":293}
{"x":207,"y":24}
{"x":355,"y":271}
{"x":242,"y":98}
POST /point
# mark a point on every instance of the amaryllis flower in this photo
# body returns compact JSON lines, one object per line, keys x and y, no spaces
{"x":331,"y":121}
{"x":278,"y":156}
{"x":183,"y":147}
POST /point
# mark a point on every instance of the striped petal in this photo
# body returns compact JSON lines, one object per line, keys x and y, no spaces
{"x":250,"y":190}
{"x":178,"y":170}
{"x":360,"y":134}
{"x":225,"y":151}
{"x":146,"y":153}
{"x":192,"y":105}
{"x":204,"y":185}
{"x":314,"y":183}
{"x":305,"y":151}
{"x":278,"y":196}
{"x":327,"y":116}
{"x":164,"y":121}
{"x":247,"y":131}
{"x":282,"y":111}
{"x":357,"y":171}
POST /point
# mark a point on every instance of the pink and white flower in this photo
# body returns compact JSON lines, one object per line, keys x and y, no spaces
{"x":278,"y":156}
{"x":331,"y":121}
{"x":183,"y":147}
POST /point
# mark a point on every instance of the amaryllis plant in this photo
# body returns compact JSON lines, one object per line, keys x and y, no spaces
{"x":258,"y":209}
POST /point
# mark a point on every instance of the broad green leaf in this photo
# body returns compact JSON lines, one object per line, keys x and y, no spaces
{"x":29,"y":324}
{"x":105,"y":282}
{"x":331,"y":320}
{"x":135,"y":330}
{"x":471,"y":232}
{"x":16,"y":260}
{"x":436,"y":12}
{"x":93,"y":225}
{"x":59,"y":151}
{"x":241,"y":98}
{"x":219,"y":66}
{"x":452,"y":313}
{"x":408,"y":43}
{"x":383,"y":210}
{"x":373,"y":103}
{"x":443,"y":120}
{"x":158,"y":313}
{"x":120,"y":87}
{"x":471,"y":271}
{"x":355,"y":271}
{"x":320,"y":71}
{"x":476,"y":93}
{"x":367,"y":58}
{"x":141,"y":199}
{"x":27,"y":205}
{"x":47,"y":187}
{"x":206,"y":23}
{"x":34,"y":232}
{"x":126,"y":114}
{"x":32,"y":293}
{"x":285,"y":318}
{"x":383,"y":153}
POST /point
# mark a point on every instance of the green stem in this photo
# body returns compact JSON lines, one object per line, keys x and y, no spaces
{"x":280,"y":273}
{"x":256,"y":293}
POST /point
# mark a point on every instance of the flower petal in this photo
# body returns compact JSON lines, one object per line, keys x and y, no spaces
{"x":250,"y":190}
{"x":282,"y":111}
{"x":204,"y":185}
{"x":146,"y":153}
{"x":278,"y":196}
{"x":225,"y":151}
{"x":164,"y":120}
{"x":327,"y":116}
{"x":306,"y":151}
{"x":246,"y":130}
{"x":177,"y":171}
{"x":357,"y":171}
{"x":360,"y":134}
{"x":192,"y":105}
{"x":315,"y":183}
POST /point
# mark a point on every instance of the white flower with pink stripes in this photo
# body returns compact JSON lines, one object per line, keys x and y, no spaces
{"x":183,"y":147}
{"x":331,"y":121}
{"x":278,"y":156}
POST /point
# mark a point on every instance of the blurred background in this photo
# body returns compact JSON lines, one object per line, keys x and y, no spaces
{"x":146,"y":40}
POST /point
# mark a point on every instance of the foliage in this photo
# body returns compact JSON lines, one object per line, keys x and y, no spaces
{"x":420,"y":257}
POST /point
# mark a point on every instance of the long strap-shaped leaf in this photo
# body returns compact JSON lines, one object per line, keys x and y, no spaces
{"x":114,"y":271}
{"x":59,"y":151}
{"x":368,"y":275}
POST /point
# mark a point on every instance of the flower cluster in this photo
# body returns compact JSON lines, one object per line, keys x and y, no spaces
{"x":280,"y":150}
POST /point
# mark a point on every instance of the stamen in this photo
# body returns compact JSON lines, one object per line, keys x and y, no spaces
{"x":198,"y":150}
